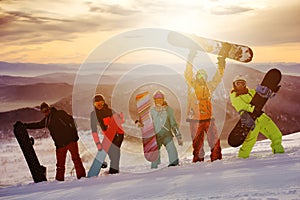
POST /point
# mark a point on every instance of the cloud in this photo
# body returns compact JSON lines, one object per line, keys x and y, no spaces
{"x":6,"y":19}
{"x":22,"y":16}
{"x":112,"y":9}
{"x":229,"y":10}
{"x":269,"y":26}
{"x":25,"y":28}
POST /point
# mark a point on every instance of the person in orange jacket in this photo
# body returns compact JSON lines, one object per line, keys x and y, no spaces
{"x":199,"y":113}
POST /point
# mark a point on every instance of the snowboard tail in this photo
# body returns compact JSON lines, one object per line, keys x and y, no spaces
{"x":148,"y":133}
{"x":193,"y":42}
{"x":37,"y":171}
{"x":97,"y":164}
{"x":270,"y":83}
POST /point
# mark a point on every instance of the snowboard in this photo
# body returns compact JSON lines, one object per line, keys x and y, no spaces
{"x":99,"y":162}
{"x":268,"y":86}
{"x":38,"y":172}
{"x":193,"y":42}
{"x":148,"y":134}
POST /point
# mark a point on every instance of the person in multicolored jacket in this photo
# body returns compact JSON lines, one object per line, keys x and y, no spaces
{"x":165,"y":126}
{"x":240,"y":98}
{"x":102,"y":115}
{"x":199,"y":113}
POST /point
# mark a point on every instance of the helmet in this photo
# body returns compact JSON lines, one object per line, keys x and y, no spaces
{"x":239,"y":78}
{"x":201,"y":73}
{"x":158,"y":95}
{"x":98,"y":97}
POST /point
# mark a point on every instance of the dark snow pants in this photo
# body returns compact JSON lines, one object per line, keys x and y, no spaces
{"x":61,"y":154}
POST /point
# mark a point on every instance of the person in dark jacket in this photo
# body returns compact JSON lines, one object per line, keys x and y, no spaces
{"x":64,"y":134}
{"x":102,"y":115}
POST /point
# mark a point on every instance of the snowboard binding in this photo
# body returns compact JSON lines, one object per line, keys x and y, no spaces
{"x":246,"y":120}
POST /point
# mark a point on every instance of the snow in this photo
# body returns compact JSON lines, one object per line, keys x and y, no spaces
{"x":262,"y":176}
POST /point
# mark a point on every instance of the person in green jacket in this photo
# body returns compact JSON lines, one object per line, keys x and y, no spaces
{"x":240,"y":98}
{"x":165,"y":126}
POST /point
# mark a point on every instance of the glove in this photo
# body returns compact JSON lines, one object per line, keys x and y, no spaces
{"x":99,"y":146}
{"x":225,"y":49}
{"x":121,"y":115}
{"x":247,"y":120}
{"x":180,"y":142}
{"x":31,"y":141}
{"x":138,"y":123}
{"x":277,"y":88}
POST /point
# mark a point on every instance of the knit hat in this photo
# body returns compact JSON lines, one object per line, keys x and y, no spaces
{"x":158,"y":95}
{"x":239,"y":78}
{"x":44,"y":106}
{"x":98,"y":97}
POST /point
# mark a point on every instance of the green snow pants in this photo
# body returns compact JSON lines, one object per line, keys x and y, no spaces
{"x":167,"y":141}
{"x":268,"y":128}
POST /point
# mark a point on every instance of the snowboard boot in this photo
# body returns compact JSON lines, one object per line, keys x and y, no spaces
{"x":216,"y":152}
{"x":197,"y":159}
{"x":113,"y":171}
{"x":175,"y":163}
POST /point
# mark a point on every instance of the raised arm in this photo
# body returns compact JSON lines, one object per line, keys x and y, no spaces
{"x":213,"y":84}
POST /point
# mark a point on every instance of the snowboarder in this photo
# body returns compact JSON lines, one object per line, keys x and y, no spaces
{"x":200,"y":109}
{"x":102,"y":115}
{"x":64,"y":133}
{"x":241,"y":97}
{"x":165,"y":126}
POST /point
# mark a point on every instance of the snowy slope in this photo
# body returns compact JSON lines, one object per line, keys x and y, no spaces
{"x":262,"y":176}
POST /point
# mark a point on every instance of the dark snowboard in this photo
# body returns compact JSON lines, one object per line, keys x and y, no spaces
{"x":269,"y":85}
{"x":38,"y":171}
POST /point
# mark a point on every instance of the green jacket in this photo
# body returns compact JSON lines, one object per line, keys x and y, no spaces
{"x":263,"y":124}
{"x":242,"y":102}
{"x":164,"y":122}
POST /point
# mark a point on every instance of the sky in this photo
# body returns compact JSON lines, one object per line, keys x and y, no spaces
{"x":67,"y":31}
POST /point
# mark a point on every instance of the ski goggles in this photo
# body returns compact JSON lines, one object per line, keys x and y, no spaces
{"x":199,"y":76}
{"x":99,"y":104}
{"x":45,"y":110}
{"x":240,"y":83}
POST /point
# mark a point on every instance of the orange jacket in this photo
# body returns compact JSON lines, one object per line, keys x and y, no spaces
{"x":199,"y":95}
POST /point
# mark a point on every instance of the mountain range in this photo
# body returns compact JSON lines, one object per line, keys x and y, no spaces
{"x":20,"y":97}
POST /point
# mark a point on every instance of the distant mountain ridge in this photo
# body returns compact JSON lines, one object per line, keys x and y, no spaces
{"x":284,"y":108}
{"x":32,"y":69}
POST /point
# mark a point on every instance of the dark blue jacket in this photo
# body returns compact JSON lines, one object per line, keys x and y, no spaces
{"x":61,"y":126}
